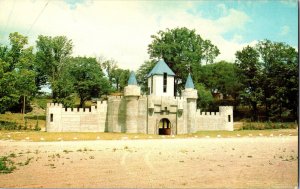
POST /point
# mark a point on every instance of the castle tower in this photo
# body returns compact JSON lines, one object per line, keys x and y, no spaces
{"x":131,"y":93}
{"x":191,"y":96}
{"x":53,"y":121}
{"x":227,"y":113}
{"x":161,"y":80}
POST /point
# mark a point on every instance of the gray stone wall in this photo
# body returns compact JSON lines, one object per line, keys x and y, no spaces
{"x":138,"y":114}
{"x":215,"y":120}
{"x":76,"y":119}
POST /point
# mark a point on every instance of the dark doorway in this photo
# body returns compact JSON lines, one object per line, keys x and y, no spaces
{"x":164,"y":127}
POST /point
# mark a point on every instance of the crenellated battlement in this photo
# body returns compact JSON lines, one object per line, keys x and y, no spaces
{"x":115,"y":97}
{"x":80,"y":110}
{"x":54,"y":105}
{"x":207,"y":113}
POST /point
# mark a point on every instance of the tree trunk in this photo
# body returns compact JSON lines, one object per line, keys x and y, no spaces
{"x":81,"y":105}
{"x":23,"y":106}
{"x":254,"y":110}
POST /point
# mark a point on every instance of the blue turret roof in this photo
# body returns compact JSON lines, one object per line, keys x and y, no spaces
{"x":160,"y":68}
{"x":189,"y":83}
{"x":132,"y":79}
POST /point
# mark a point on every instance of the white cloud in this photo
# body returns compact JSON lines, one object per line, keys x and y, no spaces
{"x":119,"y":29}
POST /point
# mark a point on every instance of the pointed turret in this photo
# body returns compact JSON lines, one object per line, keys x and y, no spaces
{"x":189,"y":91}
{"x":189,"y":83}
{"x":190,"y":94}
{"x":132,"y":79}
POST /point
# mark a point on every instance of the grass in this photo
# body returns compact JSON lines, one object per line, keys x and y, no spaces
{"x":58,"y":136}
{"x":17,"y":119}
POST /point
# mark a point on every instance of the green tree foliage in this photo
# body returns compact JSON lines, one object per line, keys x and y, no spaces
{"x":108,"y":66}
{"x":83,"y":76}
{"x":184,"y":51}
{"x":250,"y":74}
{"x":280,"y":77}
{"x":221,"y":78}
{"x":17,"y":75}
{"x":50,"y":57}
{"x":205,"y":97}
{"x":119,"y":78}
{"x":141,"y":75}
{"x":269,"y":74}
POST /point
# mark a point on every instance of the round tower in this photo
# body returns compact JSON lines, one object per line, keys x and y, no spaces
{"x":190,"y":94}
{"x":132,"y":93}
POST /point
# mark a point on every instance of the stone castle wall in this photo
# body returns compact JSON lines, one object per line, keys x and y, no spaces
{"x":145,"y":113}
{"x":61,"y":119}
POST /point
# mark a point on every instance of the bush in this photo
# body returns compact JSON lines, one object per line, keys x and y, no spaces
{"x":267,"y":125}
{"x":5,"y":125}
{"x":6,"y":165}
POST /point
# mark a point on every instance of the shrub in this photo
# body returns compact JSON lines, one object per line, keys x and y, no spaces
{"x":5,"y":125}
{"x":267,"y":125}
{"x":6,"y":165}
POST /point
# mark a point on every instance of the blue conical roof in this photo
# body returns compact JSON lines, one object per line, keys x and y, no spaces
{"x":160,"y":68}
{"x":189,"y":83}
{"x":132,"y":79}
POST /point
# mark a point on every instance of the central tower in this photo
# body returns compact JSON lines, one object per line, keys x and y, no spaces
{"x":161,"y":80}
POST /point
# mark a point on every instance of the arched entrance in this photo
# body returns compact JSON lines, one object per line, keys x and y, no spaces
{"x":164,"y":127}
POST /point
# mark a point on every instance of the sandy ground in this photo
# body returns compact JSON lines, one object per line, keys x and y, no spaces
{"x":248,"y":162}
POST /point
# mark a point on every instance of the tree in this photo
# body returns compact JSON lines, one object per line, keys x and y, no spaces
{"x":250,"y":74}
{"x":280,"y":77}
{"x":119,"y":78}
{"x":108,"y":66}
{"x":221,"y":77}
{"x":184,"y":51}
{"x":205,"y":97}
{"x":142,"y":73}
{"x":83,"y":76}
{"x":51,"y":54}
{"x":17,"y":77}
{"x":269,"y":73}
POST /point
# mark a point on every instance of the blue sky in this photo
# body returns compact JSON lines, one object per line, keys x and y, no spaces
{"x":121,"y":30}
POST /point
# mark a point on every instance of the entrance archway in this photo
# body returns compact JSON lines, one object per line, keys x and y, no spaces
{"x":164,"y":127}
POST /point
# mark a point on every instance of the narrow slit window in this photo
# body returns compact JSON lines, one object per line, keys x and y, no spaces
{"x":229,"y":118}
{"x":165,"y":83}
{"x":151,"y":85}
{"x":51,"y":117}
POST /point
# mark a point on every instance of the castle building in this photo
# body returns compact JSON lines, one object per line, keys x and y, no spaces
{"x":160,"y":112}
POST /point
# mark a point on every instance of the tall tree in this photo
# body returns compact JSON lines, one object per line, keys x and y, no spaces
{"x":16,"y":73}
{"x":280,"y":77}
{"x":119,"y":78}
{"x":84,"y":77}
{"x":250,"y":74}
{"x":183,"y":50}
{"x":51,"y":55}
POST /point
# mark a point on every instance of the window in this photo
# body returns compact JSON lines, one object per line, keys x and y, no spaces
{"x":165,"y":83}
{"x":51,"y":117}
{"x":229,"y":118}
{"x":151,"y":85}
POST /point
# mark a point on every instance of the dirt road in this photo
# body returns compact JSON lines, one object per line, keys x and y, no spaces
{"x":258,"y":162}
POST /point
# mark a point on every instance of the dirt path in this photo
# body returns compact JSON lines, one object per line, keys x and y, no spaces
{"x":258,"y":162}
